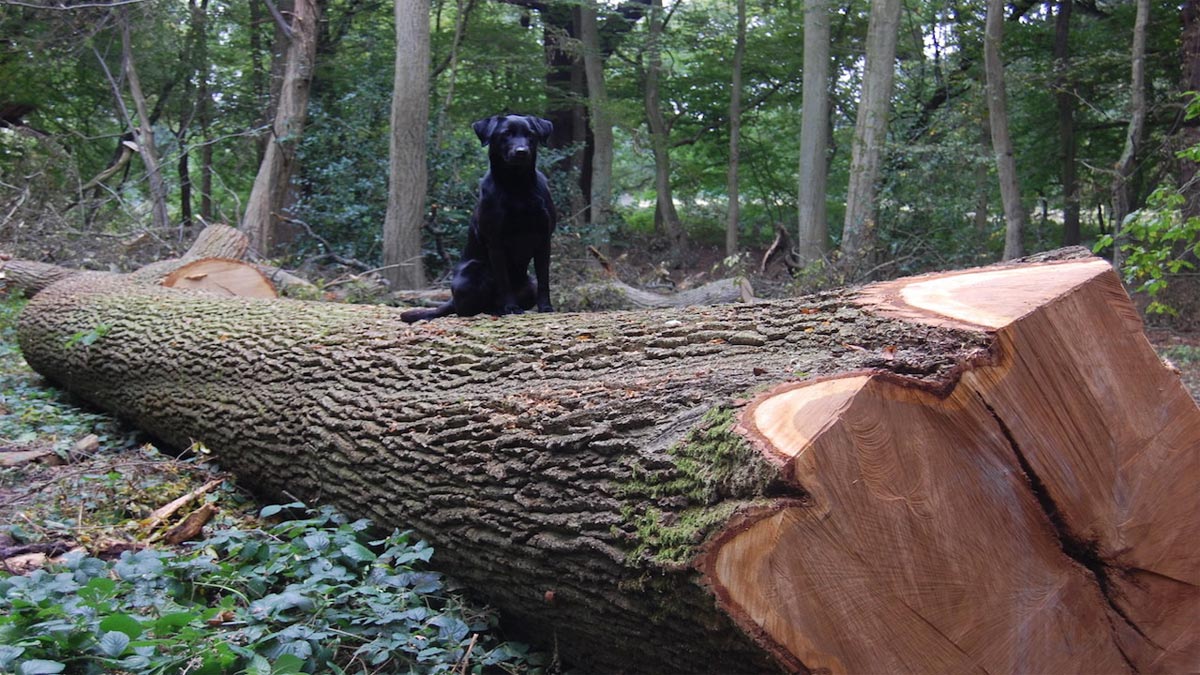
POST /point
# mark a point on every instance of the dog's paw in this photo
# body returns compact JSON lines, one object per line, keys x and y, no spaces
{"x":545,"y":307}
{"x":511,"y":309}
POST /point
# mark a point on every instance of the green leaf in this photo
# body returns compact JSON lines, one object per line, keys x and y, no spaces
{"x":287,"y":664}
{"x":358,"y":553}
{"x":8,"y":654}
{"x":170,"y":623}
{"x":122,"y":623}
{"x":113,"y":643}
{"x":41,"y":667}
{"x":258,"y":665}
{"x":268,"y":511}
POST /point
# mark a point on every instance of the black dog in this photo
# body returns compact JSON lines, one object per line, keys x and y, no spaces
{"x":511,"y":226}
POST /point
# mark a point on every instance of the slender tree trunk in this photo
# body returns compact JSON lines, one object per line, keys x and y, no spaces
{"x":1121,"y":189}
{"x":600,"y":200}
{"x":1065,"y":100}
{"x":204,"y":119}
{"x":144,"y":131}
{"x":565,"y":88}
{"x":870,"y":135}
{"x":462,"y":13}
{"x":1002,"y":147}
{"x":273,"y":183}
{"x":407,"y":173}
{"x":660,"y":139}
{"x":983,"y":186}
{"x":735,"y":133}
{"x":813,"y":241}
{"x":1189,"y":133}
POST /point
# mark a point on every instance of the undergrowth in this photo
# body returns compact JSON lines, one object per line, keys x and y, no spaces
{"x":283,"y":590}
{"x":313,"y":594}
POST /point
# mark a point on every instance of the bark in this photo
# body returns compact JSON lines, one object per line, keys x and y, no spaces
{"x":407,"y":173}
{"x":814,"y":134}
{"x":1121,"y":188}
{"x":660,"y":135}
{"x":735,"y":133}
{"x":144,"y":131}
{"x":600,"y":202}
{"x":614,"y":294}
{"x":901,"y":493}
{"x":1065,"y":100}
{"x":272,"y":185}
{"x":1002,"y":147}
{"x":870,"y":134}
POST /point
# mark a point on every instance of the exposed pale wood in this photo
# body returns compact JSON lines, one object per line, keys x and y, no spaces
{"x":222,"y":275}
{"x":1039,"y":515}
{"x":192,"y":526}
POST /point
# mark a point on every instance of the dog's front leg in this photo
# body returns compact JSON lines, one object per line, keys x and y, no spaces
{"x":541,"y":268}
{"x":504,"y":298}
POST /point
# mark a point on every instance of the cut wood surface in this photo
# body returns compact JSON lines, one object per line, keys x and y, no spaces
{"x":221,"y":275}
{"x":978,"y":471}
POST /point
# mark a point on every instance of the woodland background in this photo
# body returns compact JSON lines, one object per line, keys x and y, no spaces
{"x":338,"y":131}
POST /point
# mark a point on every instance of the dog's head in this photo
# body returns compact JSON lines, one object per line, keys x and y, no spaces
{"x":513,"y":139}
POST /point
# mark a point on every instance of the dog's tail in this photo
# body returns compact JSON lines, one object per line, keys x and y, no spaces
{"x":426,"y":313}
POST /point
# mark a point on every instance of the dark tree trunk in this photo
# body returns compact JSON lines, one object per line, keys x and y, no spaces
{"x":1065,"y":100}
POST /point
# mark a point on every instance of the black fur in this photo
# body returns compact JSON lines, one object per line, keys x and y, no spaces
{"x":510,"y":227}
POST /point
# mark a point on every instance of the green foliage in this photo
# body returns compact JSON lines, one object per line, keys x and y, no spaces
{"x":1158,"y":241}
{"x":306,"y":595}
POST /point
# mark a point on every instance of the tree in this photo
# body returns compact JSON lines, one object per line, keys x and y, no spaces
{"x":1121,"y":192}
{"x":1009,"y":435}
{"x":273,"y":184}
{"x":735,"y":132}
{"x":407,"y":179}
{"x":870,"y":135}
{"x":1002,"y":146}
{"x":599,"y":206}
{"x":665,"y":214}
{"x":1064,"y":96}
{"x":813,"y":241}
{"x":144,"y":129}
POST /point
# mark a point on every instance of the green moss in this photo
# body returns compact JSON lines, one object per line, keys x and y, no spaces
{"x":715,"y":474}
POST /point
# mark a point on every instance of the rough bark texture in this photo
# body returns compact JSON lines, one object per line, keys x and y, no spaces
{"x":591,"y":474}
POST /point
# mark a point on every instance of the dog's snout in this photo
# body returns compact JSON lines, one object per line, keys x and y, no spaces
{"x":521,"y":151}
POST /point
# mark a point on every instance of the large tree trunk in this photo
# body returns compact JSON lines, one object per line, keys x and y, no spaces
{"x":660,"y":134}
{"x":1121,"y":191}
{"x":407,"y":173}
{"x":733,"y":215}
{"x":813,"y":242}
{"x":600,"y":199}
{"x":1064,"y":96}
{"x":273,"y":183}
{"x":1002,"y":147}
{"x":987,"y":470}
{"x":870,"y":135}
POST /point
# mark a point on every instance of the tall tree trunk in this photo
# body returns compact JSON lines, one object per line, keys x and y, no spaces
{"x":600,"y":202}
{"x":273,"y":184}
{"x":144,"y":131}
{"x":870,"y":135}
{"x":983,"y":185}
{"x":1189,"y":133}
{"x":1065,"y":100}
{"x":735,"y":133}
{"x":984,"y":471}
{"x":813,"y":242}
{"x":407,"y":172}
{"x":1002,"y":147}
{"x":565,"y":87}
{"x":204,"y":120}
{"x":660,"y":136}
{"x":1121,"y":188}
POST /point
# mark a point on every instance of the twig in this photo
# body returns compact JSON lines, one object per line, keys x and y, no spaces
{"x":163,"y":512}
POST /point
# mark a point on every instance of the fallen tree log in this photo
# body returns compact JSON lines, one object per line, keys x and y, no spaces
{"x":988,"y":470}
{"x":614,"y":294}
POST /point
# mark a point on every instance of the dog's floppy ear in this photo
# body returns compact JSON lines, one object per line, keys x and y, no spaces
{"x":484,"y":128}
{"x":543,"y":127}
